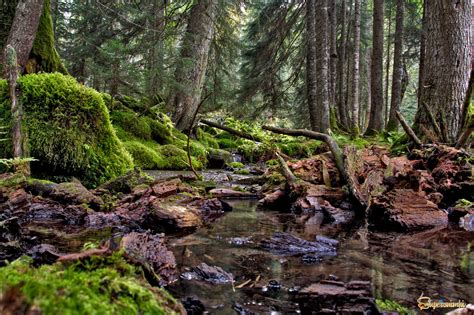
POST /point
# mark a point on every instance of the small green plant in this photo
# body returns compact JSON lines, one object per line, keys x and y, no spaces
{"x":14,"y":162}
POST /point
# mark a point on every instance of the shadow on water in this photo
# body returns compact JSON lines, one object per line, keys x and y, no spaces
{"x":439,"y":263}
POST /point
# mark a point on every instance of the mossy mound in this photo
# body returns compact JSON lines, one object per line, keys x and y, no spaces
{"x":95,"y":286}
{"x":153,"y":141}
{"x":69,"y":130}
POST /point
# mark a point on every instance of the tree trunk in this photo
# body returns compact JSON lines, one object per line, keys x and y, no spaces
{"x":155,"y":61}
{"x":355,"y":71}
{"x":340,"y":68}
{"x":18,"y":137}
{"x":7,"y":13}
{"x":387,"y":64}
{"x":322,"y":65}
{"x":333,"y":58}
{"x":191,"y":70}
{"x":397,"y":74}
{"x":311,"y":91}
{"x":446,"y":68}
{"x":23,"y":29}
{"x":36,"y":37}
{"x":376,"y":70}
{"x":422,"y":53}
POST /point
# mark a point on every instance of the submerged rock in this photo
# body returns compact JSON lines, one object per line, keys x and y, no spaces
{"x":289,"y":245}
{"x":149,"y":250}
{"x":212,"y":274}
{"x":334,"y":297}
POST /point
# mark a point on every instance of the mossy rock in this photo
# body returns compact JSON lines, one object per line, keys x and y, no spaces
{"x":69,"y":130}
{"x":98,"y":285}
{"x":177,"y":159}
{"x":145,"y":156}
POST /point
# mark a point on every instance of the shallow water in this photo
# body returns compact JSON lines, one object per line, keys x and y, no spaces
{"x":438,"y":263}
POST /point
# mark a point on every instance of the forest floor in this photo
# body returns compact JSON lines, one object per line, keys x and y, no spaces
{"x":245,"y":239}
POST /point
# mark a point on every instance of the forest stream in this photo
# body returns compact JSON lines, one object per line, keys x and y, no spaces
{"x":399,"y":267}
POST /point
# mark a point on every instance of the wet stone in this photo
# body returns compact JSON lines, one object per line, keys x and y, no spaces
{"x":149,"y":250}
{"x":212,"y":274}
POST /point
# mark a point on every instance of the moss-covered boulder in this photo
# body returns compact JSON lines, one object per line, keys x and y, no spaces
{"x":69,"y":129}
{"x":98,"y":285}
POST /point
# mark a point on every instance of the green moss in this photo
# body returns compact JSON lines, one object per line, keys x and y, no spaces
{"x":144,"y":155}
{"x":69,"y":129}
{"x":176,"y":158}
{"x":225,"y":143}
{"x":242,"y":172}
{"x":207,"y":139}
{"x":130,"y":122}
{"x":13,"y":180}
{"x":94,"y":286}
{"x":236,"y":164}
{"x":43,"y":51}
{"x":392,"y":306}
{"x":464,"y":203}
{"x":272,"y":162}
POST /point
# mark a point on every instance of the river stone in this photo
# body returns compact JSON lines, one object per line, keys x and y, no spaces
{"x":149,"y":251}
{"x":404,"y":210}
{"x":212,"y":274}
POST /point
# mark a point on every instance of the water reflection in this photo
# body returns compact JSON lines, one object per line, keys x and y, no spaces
{"x":439,"y":262}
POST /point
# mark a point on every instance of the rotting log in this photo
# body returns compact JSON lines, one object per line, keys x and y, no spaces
{"x":18,"y":137}
{"x":408,"y":130}
{"x":336,"y":152}
{"x":231,"y":131}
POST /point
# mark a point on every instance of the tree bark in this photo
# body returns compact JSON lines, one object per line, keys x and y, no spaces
{"x":155,"y":61}
{"x":340,"y":69}
{"x":18,"y":138}
{"x":312,"y":91}
{"x":355,"y":71}
{"x":333,"y":57}
{"x":397,"y":74}
{"x":23,"y":29}
{"x":387,"y":64}
{"x":446,"y":67}
{"x":322,"y":66}
{"x":191,"y":70}
{"x":376,"y":70}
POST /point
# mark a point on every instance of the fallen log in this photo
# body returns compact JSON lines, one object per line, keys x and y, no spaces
{"x":336,"y":152}
{"x":408,"y":130}
{"x":289,"y":176}
{"x":231,"y":131}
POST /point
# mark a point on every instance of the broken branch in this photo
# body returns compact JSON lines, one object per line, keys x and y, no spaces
{"x":408,"y":130}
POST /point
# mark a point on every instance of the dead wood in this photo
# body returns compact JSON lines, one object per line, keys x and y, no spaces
{"x":408,"y":130}
{"x":336,"y":152}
